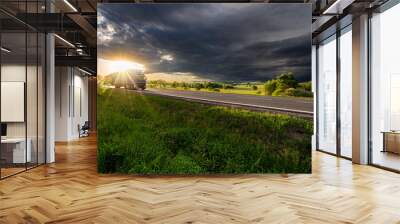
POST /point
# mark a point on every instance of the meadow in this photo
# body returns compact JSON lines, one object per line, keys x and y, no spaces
{"x":147,"y":134}
{"x":241,"y":88}
{"x":284,"y":84}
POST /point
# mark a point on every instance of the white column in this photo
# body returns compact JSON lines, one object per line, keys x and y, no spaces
{"x":50,"y":92}
{"x":360,"y":90}
{"x":62,"y":103}
{"x":50,"y":99}
{"x":314,"y":86}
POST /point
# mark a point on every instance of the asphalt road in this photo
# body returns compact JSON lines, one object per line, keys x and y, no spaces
{"x":289,"y":104}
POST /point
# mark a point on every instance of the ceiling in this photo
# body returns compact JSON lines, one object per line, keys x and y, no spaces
{"x":75,"y":21}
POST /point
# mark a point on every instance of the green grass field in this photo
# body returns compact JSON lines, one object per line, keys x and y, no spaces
{"x":239,"y":89}
{"x":145,"y":134}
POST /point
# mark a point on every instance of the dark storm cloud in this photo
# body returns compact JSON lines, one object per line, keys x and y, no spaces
{"x":238,"y":42}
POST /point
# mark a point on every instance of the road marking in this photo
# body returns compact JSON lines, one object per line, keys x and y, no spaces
{"x":236,"y":96}
{"x":233,"y":103}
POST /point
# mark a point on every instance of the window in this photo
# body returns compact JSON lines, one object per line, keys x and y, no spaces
{"x":22,"y":93}
{"x":346,"y":92}
{"x":327,"y":95}
{"x":385,"y":89}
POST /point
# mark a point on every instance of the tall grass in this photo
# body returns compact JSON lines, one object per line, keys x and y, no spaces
{"x":157,"y":135}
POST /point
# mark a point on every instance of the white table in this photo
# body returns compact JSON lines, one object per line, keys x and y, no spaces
{"x":19,"y":153}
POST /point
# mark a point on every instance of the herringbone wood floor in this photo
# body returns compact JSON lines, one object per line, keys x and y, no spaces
{"x":70,"y":191}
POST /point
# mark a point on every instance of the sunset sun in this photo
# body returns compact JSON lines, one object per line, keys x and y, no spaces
{"x":110,"y":66}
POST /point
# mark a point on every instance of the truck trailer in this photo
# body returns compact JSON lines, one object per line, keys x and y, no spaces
{"x":129,"y":79}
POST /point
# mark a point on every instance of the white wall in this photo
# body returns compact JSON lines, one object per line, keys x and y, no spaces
{"x":33,"y":126}
{"x":71,"y":94}
{"x":12,"y":73}
{"x":80,"y":109}
{"x":62,"y":83}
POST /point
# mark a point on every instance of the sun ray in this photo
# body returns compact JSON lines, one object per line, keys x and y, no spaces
{"x":107,"y":67}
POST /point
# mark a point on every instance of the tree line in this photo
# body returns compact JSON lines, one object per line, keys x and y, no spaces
{"x":284,"y":84}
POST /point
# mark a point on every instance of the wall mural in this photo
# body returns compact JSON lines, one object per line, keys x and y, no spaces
{"x":204,"y":88}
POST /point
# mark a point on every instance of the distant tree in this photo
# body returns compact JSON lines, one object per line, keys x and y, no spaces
{"x":287,"y":79}
{"x":198,"y":85}
{"x":254,"y":87}
{"x":277,"y":86}
{"x":213,"y":85}
{"x":160,"y":83}
{"x":228,"y":86}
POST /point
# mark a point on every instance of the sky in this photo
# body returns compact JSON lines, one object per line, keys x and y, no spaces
{"x":238,"y":42}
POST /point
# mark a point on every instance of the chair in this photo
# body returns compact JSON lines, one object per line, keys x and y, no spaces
{"x":84,"y":130}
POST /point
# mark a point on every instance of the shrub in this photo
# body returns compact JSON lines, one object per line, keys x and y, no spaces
{"x":305,"y":85}
{"x":280,"y":89}
{"x":285,"y":84}
{"x":278,"y":92}
{"x":270,"y":86}
{"x":228,"y":86}
{"x":281,"y":86}
{"x":298,"y":92}
{"x":254,"y":87}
